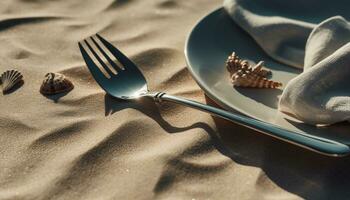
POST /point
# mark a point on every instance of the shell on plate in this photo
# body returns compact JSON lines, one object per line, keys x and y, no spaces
{"x":235,"y":63}
{"x":9,"y":79}
{"x":55,"y":83}
{"x":244,"y":75}
{"x":250,"y":79}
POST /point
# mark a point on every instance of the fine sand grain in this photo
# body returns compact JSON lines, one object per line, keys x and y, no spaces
{"x":87,"y":145}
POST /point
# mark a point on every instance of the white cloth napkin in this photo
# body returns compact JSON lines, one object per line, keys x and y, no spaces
{"x":309,"y":35}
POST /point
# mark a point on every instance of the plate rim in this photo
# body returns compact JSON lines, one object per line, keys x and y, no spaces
{"x":198,"y":79}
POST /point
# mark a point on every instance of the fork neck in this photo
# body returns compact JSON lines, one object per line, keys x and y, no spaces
{"x":156,"y":96}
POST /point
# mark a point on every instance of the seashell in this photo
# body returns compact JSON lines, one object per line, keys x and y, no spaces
{"x":259,"y":70}
{"x":250,"y":79}
{"x":244,"y":75}
{"x":55,"y":83}
{"x":234,"y":63}
{"x":9,"y":79}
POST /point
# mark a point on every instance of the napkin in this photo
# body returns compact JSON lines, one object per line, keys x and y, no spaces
{"x":310,"y":35}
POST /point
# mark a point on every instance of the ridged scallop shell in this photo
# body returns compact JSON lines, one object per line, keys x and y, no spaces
{"x":244,"y":75}
{"x":9,"y":79}
{"x":234,"y":63}
{"x":55,"y":83}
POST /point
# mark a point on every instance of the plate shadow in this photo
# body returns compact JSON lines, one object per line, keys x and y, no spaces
{"x":268,"y":97}
{"x":302,"y":172}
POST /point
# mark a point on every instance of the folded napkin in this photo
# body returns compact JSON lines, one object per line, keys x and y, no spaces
{"x":309,"y":35}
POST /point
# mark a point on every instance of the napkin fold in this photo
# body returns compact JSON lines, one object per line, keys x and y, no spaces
{"x":308,"y":35}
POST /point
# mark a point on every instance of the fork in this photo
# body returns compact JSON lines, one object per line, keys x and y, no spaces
{"x":122,"y":79}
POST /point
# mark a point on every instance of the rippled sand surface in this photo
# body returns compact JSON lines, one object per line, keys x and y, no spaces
{"x":86,"y":145}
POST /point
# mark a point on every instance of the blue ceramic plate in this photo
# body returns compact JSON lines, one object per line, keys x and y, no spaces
{"x":209,"y":44}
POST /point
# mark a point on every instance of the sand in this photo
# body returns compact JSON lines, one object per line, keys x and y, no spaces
{"x":87,"y":145}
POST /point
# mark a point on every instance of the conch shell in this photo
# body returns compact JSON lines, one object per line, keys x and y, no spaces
{"x":55,"y":83}
{"x":244,"y":75}
{"x":9,"y":79}
{"x":253,"y":80}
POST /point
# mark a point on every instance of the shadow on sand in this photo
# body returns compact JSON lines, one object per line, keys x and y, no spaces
{"x":56,"y":97}
{"x":304,"y":173}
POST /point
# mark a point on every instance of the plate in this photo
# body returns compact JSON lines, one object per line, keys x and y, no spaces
{"x":209,"y":44}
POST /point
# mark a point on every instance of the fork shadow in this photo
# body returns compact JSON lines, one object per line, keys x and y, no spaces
{"x":151,"y":109}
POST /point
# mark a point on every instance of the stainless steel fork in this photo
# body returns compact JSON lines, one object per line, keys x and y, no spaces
{"x":122,"y":79}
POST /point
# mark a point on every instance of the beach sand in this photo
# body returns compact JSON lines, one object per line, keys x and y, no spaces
{"x":87,"y":145}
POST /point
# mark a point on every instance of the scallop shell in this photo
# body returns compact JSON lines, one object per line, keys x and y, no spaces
{"x":250,"y":79}
{"x":9,"y":79}
{"x":234,"y":63}
{"x":55,"y":83}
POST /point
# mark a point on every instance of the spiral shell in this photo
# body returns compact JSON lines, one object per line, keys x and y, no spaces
{"x":9,"y":79}
{"x":244,"y":75}
{"x":55,"y":83}
{"x":250,"y":79}
{"x":234,"y":63}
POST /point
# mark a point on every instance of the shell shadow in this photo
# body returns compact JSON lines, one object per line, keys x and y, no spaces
{"x":56,"y":97}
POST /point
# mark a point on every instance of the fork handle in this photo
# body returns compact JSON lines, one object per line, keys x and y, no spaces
{"x":311,"y":142}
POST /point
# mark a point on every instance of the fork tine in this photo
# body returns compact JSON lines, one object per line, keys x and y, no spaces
{"x":95,"y":71}
{"x":114,"y":65}
{"x":110,"y":73}
{"x":125,"y":61}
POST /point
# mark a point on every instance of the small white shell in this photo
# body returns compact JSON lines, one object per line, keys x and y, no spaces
{"x":9,"y":79}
